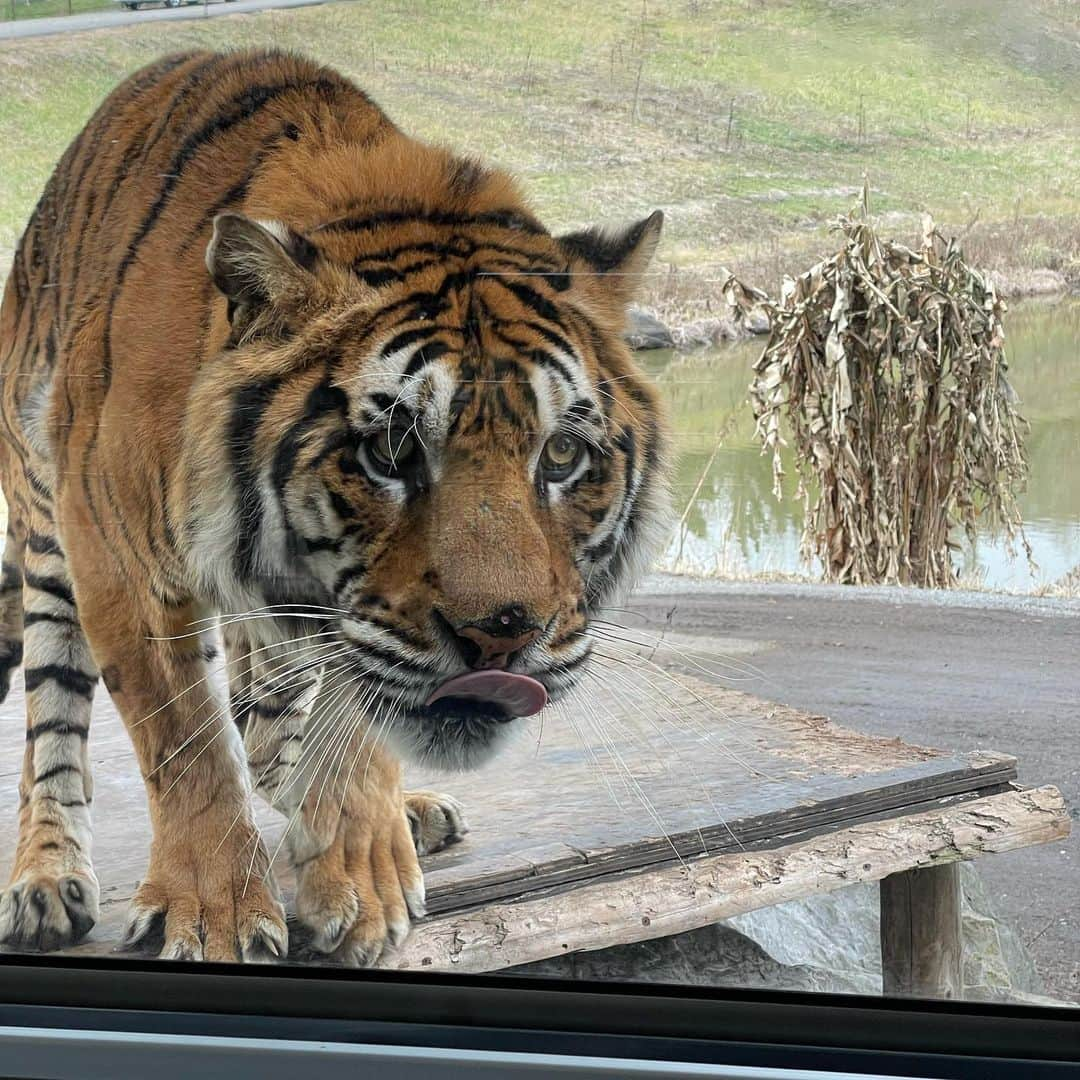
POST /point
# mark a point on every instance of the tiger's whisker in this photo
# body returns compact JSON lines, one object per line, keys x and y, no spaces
{"x":300,"y":801}
{"x":596,"y":723}
{"x":198,"y":682}
{"x":695,"y":725}
{"x":687,"y":654}
{"x":217,"y":717}
{"x":626,"y":699}
{"x":217,"y":714}
{"x":621,"y":725}
{"x":744,"y":674}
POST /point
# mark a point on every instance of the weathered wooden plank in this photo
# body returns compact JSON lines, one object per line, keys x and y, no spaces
{"x":981,"y":776}
{"x":669,"y":900}
{"x":920,"y":932}
{"x":718,"y":768}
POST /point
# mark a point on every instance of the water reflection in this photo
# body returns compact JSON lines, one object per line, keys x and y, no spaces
{"x":732,"y":524}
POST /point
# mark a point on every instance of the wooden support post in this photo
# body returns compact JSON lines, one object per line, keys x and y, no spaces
{"x":920,"y":933}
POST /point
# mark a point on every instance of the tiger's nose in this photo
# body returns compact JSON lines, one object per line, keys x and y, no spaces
{"x":492,"y":643}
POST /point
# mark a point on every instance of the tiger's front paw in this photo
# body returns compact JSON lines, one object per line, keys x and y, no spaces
{"x":436,"y":820}
{"x":45,"y":910}
{"x":356,"y":897}
{"x":198,"y":903}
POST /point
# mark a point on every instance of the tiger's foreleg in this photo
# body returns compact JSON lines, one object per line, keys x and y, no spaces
{"x":208,"y":883}
{"x":313,"y":756}
{"x":353,"y":835}
{"x":52,"y":898}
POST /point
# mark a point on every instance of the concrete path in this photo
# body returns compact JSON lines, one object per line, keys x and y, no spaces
{"x":962,"y":671}
{"x":98,"y":20}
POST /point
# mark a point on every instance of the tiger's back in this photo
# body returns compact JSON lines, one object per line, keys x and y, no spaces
{"x":109,"y":287}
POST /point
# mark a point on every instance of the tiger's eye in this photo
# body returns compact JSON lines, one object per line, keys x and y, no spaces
{"x":392,"y":449}
{"x":561,"y":455}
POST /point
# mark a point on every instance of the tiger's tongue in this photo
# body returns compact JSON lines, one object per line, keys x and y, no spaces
{"x":517,"y":695}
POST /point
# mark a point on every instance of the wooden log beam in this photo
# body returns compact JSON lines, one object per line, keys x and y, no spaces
{"x":672,"y":899}
{"x":920,"y":933}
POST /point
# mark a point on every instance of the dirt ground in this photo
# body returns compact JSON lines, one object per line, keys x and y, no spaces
{"x":963,"y":671}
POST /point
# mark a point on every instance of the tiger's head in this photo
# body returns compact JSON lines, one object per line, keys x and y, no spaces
{"x":427,"y":422}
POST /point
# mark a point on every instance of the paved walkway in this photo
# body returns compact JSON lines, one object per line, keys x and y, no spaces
{"x":98,"y":20}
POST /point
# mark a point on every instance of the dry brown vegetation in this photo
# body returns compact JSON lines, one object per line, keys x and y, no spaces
{"x":887,"y":366}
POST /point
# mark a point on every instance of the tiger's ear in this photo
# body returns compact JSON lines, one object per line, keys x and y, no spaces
{"x":257,"y":264}
{"x":622,"y":254}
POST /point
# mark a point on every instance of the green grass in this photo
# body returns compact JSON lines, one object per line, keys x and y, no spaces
{"x":40,"y":9}
{"x":751,"y":122}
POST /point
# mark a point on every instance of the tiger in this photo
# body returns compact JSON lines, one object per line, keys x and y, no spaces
{"x":277,"y":375}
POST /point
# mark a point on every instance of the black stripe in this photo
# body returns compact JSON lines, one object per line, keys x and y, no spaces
{"x":538,"y":356}
{"x":37,"y":485}
{"x":44,"y":510}
{"x":88,"y":219}
{"x":54,"y":586}
{"x":508,"y":411}
{"x":41,"y":544}
{"x":11,"y":656}
{"x":57,"y":726}
{"x":424,"y":356}
{"x":31,"y":617}
{"x":56,"y":770}
{"x":383,"y":276}
{"x":406,"y":338}
{"x":551,"y":336}
{"x":457,"y":247}
{"x":342,"y":507}
{"x":323,"y":399}
{"x":248,"y":407}
{"x":514,"y":220}
{"x":532,"y":300}
{"x":167,"y":124}
{"x":240,"y":108}
{"x":627,"y":443}
{"x":323,"y":543}
{"x":243,"y":106}
{"x":238,"y":192}
{"x":544,"y":359}
{"x":348,"y":576}
{"x":68,"y":678}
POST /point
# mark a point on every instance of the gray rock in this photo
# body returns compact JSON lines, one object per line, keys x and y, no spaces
{"x":827,"y":943}
{"x":645,"y":331}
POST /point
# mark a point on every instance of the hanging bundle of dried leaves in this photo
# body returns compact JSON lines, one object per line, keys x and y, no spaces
{"x":889,"y":366}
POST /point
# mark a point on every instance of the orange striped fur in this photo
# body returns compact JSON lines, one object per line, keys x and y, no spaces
{"x":267,"y":359}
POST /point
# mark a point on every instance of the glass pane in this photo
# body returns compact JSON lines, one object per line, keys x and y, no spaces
{"x":457,"y":604}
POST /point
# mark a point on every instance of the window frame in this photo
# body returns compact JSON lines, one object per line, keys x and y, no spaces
{"x":538,"y":1015}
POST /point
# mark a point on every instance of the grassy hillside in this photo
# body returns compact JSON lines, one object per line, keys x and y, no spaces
{"x":42,"y":9}
{"x":750,"y":121}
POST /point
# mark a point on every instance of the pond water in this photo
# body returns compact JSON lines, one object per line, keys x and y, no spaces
{"x":733,"y":525}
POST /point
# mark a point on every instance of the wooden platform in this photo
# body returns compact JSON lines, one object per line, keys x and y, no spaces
{"x":634,"y":815}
